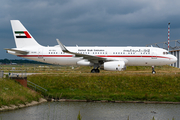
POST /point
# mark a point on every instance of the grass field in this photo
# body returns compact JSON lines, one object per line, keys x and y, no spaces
{"x":12,"y":93}
{"x":34,"y":68}
{"x":134,"y":84}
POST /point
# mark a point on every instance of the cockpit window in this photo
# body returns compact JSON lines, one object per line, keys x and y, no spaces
{"x":165,"y":53}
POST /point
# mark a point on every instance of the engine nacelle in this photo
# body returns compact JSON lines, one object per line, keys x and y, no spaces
{"x":114,"y":66}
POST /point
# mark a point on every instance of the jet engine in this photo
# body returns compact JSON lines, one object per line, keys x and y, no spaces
{"x":114,"y":66}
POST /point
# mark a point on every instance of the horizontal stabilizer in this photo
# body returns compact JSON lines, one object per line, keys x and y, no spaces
{"x":17,"y":51}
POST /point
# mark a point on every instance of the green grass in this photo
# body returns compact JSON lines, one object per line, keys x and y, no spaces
{"x":113,"y":86}
{"x":136,"y":83}
{"x":13,"y":93}
{"x":30,"y":68}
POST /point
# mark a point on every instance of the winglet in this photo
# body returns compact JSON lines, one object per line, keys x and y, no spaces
{"x":62,"y":46}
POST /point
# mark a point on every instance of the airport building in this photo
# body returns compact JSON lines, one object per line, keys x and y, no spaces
{"x":177,"y":54}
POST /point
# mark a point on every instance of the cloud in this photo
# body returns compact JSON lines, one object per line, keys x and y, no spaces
{"x":91,"y":22}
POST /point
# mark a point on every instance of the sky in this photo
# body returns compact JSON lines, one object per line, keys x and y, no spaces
{"x":90,"y":22}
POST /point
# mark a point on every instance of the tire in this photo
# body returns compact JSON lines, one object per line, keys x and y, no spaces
{"x":93,"y":71}
{"x":97,"y":70}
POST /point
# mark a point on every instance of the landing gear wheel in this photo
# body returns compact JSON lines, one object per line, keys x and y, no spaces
{"x":153,"y":71}
{"x":95,"y":71}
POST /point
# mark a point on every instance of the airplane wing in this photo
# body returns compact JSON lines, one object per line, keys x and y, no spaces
{"x":17,"y":51}
{"x":91,"y":58}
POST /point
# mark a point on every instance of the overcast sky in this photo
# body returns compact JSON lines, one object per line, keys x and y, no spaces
{"x":90,"y":22}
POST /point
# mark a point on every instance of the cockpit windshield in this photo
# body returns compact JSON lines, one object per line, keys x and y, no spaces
{"x":165,"y":53}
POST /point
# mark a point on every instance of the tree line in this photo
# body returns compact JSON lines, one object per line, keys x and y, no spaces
{"x":19,"y":61}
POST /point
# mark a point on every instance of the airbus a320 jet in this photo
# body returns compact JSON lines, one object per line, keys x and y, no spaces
{"x":106,"y":58}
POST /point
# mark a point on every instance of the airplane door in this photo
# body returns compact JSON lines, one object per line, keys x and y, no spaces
{"x":40,"y":53}
{"x":154,"y":55}
{"x":106,"y":53}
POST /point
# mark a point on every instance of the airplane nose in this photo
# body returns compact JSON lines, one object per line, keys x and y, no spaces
{"x":174,"y":59}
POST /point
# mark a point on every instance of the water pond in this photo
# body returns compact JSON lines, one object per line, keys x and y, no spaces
{"x":94,"y":111}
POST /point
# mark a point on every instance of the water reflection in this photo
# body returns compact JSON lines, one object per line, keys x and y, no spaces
{"x":94,"y":111}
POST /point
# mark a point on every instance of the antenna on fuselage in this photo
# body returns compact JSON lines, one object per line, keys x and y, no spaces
{"x":168,"y":34}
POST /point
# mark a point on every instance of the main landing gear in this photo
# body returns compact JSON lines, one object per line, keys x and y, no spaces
{"x":153,"y":71}
{"x":95,"y":70}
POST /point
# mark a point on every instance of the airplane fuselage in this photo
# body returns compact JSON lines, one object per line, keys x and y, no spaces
{"x":133,"y":56}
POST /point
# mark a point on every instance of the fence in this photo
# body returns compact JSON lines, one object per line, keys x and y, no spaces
{"x":36,"y":87}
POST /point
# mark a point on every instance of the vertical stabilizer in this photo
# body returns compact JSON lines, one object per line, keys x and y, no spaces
{"x":21,"y":36}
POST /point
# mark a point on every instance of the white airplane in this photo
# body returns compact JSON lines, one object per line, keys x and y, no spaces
{"x":107,"y":58}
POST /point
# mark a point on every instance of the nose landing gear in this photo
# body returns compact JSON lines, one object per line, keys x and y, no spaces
{"x":153,"y":71}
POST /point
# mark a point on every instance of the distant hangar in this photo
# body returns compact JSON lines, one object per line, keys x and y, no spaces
{"x":177,"y":54}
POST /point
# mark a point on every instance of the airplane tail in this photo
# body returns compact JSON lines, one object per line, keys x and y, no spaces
{"x":22,"y":37}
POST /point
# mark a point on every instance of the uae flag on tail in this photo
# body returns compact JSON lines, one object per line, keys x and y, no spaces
{"x":22,"y":34}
